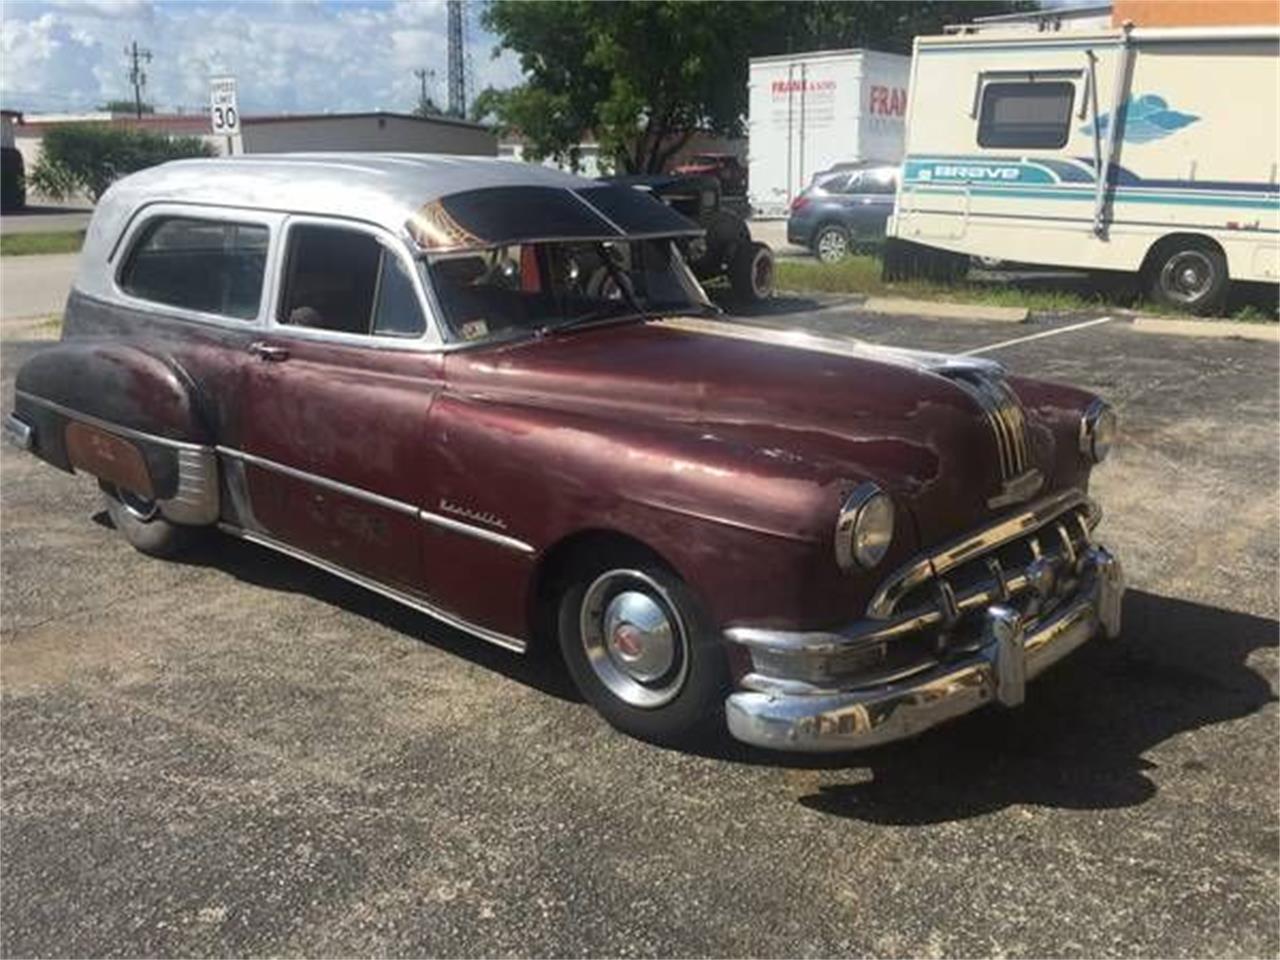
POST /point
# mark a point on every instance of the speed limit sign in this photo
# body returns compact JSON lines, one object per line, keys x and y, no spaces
{"x":223,"y":110}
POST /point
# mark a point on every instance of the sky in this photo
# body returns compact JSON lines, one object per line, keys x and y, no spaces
{"x":294,"y":56}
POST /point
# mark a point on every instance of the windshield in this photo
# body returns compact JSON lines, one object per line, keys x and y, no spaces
{"x":517,"y":289}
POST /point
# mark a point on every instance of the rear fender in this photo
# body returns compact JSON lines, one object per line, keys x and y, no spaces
{"x":125,"y":416}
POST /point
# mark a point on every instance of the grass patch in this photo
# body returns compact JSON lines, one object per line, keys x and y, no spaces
{"x":861,"y":275}
{"x":31,"y":244}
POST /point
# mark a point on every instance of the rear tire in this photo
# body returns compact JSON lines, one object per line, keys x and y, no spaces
{"x":1187,"y":274}
{"x":140,"y":522}
{"x":642,"y":651}
{"x":751,"y":274}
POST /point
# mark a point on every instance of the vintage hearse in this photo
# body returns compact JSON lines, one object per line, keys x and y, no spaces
{"x":495,"y":393}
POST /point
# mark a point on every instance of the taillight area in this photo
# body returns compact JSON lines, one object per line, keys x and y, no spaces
{"x":799,"y":203}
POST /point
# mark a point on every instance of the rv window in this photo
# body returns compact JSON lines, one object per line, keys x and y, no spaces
{"x":1035,"y":115}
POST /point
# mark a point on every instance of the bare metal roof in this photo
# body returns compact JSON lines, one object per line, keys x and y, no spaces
{"x":381,"y":188}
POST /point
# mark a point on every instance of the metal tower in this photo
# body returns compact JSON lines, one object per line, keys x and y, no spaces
{"x":457,"y":61}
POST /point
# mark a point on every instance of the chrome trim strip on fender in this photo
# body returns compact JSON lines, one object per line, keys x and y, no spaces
{"x":399,"y":506}
{"x":109,"y":426}
{"x":391,"y":593}
{"x":511,"y":543}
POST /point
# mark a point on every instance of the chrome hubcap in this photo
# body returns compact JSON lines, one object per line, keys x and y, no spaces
{"x":1187,"y":276}
{"x":634,"y":639}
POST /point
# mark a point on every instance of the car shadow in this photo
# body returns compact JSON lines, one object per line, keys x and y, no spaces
{"x":1079,"y":742}
{"x":540,"y":669}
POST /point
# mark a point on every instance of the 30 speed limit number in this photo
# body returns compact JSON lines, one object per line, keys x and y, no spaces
{"x":223,"y":111}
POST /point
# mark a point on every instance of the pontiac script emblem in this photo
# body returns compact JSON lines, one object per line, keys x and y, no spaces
{"x":479,"y":516}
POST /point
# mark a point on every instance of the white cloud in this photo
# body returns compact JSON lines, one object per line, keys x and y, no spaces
{"x":289,"y":55}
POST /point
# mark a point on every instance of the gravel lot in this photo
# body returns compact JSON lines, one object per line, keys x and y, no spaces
{"x":239,"y":755}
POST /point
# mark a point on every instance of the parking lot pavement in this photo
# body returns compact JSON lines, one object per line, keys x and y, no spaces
{"x":240,"y":755}
{"x":34,"y":286}
{"x":774,"y":233}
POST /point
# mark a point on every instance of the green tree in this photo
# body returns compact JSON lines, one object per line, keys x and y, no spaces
{"x":126,"y":106}
{"x":88,"y":157}
{"x":644,"y":76}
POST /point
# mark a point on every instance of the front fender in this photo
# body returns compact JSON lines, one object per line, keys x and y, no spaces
{"x":749,"y":529}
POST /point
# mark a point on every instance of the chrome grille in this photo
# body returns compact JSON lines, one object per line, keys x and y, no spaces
{"x":1004,"y":416}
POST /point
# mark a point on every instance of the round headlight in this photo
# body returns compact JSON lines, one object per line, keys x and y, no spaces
{"x":1097,"y":431}
{"x":864,"y":528}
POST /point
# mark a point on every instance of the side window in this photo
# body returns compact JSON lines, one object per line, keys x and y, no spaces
{"x":836,"y":184}
{"x":1032,"y":115}
{"x":878,"y":183}
{"x":212,"y":266}
{"x":397,"y":312}
{"x":854,"y":184}
{"x":346,"y":281}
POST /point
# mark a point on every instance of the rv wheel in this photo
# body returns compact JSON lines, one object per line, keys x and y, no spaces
{"x":1190,"y":276}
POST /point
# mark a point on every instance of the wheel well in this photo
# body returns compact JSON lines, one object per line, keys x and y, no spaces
{"x":557,"y":563}
{"x":1158,"y":249}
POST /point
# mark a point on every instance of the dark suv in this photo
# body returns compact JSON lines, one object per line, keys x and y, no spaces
{"x":841,"y":206}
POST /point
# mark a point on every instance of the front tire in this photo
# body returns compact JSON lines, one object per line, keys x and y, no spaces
{"x":642,"y":651}
{"x":832,"y":243}
{"x":139,"y":520}
{"x":1188,"y":275}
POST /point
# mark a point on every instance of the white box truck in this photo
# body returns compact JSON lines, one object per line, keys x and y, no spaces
{"x":1143,"y":150}
{"x":811,"y":110}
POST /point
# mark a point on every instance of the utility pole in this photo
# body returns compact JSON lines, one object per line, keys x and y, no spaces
{"x":136,"y":74}
{"x":423,"y":76}
{"x":457,"y":61}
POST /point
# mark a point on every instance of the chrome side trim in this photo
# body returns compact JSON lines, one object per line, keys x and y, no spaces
{"x":108,"y":425}
{"x":917,"y":571}
{"x":409,"y":600}
{"x":398,"y":506}
{"x":457,"y":526}
{"x":196,"y":501}
{"x":18,"y":432}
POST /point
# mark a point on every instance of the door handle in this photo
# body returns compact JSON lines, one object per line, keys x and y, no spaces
{"x":268,"y":352}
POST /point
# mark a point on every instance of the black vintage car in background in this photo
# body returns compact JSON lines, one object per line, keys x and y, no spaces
{"x":726,"y":251}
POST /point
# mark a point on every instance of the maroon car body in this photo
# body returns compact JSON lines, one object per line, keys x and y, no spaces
{"x":318,"y":354}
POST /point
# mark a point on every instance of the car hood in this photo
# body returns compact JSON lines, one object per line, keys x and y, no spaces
{"x":828,"y":409}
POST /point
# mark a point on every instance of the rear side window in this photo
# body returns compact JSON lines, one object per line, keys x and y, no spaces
{"x":213,"y":266}
{"x":346,"y":281}
{"x":1032,"y":115}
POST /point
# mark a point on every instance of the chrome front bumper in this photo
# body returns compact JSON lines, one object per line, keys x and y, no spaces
{"x":1011,"y":652}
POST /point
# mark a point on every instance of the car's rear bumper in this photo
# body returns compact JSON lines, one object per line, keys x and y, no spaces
{"x":1066,"y":599}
